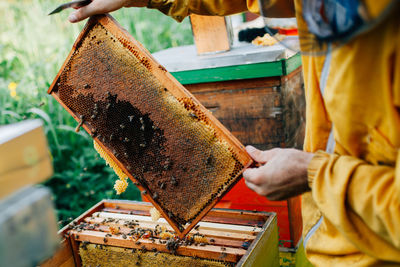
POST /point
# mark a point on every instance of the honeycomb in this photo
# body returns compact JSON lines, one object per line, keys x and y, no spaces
{"x":94,"y":255}
{"x":161,"y":137}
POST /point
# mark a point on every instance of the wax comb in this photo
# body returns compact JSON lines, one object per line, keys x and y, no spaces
{"x":182,"y":159}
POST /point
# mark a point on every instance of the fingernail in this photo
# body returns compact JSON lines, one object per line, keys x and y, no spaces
{"x":72,"y":18}
{"x":250,"y":149}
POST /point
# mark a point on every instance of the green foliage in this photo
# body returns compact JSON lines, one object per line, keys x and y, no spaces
{"x":33,"y":47}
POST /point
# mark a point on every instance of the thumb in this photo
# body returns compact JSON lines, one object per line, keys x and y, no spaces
{"x":259,"y":155}
{"x":84,"y":12}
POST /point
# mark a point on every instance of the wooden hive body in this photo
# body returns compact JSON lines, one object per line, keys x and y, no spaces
{"x":225,"y":238}
{"x":181,"y":157}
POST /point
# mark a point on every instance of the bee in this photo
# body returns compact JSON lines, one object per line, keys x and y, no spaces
{"x":105,"y":240}
{"x":197,"y":227}
{"x":194,"y":116}
{"x":155,"y":196}
{"x":223,"y":249}
{"x":138,"y":242}
{"x":131,"y":118}
{"x":212,"y":240}
{"x":84,"y":245}
{"x":81,"y":121}
{"x":124,"y":236}
{"x":162,"y":185}
{"x":93,"y":133}
{"x":86,"y":86}
{"x":173,"y":181}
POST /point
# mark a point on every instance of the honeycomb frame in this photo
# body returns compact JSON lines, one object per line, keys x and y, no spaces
{"x":93,"y":81}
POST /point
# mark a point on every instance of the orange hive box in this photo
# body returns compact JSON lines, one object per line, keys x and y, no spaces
{"x":179,"y":155}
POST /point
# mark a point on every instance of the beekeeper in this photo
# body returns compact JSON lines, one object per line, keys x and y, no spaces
{"x":349,"y":171}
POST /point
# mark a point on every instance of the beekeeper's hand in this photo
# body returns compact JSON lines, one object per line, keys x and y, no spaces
{"x":103,"y":6}
{"x":283,"y":172}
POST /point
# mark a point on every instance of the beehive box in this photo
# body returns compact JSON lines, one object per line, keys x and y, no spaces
{"x":143,"y":120}
{"x":121,"y":233}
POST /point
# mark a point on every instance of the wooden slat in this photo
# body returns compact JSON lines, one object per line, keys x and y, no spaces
{"x":208,"y":233}
{"x":226,"y":220}
{"x":75,"y":250}
{"x":89,"y":212}
{"x":215,"y":87}
{"x":162,"y":221}
{"x":207,"y":251}
{"x":135,"y":206}
{"x":210,"y":33}
{"x":211,"y":240}
{"x":128,"y":205}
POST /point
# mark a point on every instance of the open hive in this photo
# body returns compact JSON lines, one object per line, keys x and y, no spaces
{"x":121,"y":233}
{"x":145,"y":122}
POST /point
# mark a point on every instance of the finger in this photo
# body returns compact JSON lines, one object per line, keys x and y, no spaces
{"x":85,"y":12}
{"x":259,"y":155}
{"x":258,"y":189}
{"x":253,"y":175}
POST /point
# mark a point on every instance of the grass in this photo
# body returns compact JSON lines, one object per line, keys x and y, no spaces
{"x":33,"y":47}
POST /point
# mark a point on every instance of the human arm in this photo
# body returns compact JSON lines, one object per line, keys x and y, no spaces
{"x":103,"y":6}
{"x":362,"y":200}
{"x":178,"y":9}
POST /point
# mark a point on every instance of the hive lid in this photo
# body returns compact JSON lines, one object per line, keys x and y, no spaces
{"x":180,"y":156}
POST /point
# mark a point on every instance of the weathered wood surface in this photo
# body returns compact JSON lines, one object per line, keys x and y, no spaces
{"x":210,"y":33}
{"x":265,"y":112}
{"x":24,"y":156}
{"x":62,"y":258}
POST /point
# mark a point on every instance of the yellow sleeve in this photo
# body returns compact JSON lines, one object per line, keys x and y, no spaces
{"x":361,"y":200}
{"x":179,"y":9}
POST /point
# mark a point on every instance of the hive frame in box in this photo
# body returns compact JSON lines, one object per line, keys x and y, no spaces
{"x":176,"y":90}
{"x":262,"y":250}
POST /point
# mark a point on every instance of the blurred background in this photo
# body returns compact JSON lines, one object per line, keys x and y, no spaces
{"x":33,"y":47}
